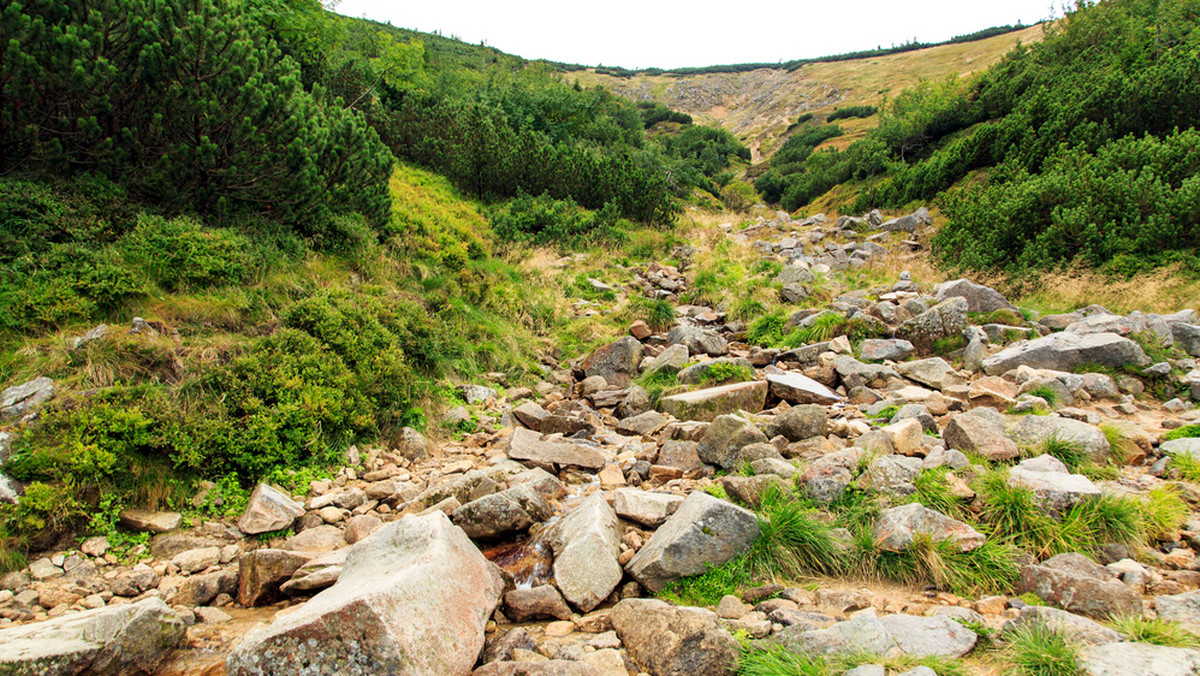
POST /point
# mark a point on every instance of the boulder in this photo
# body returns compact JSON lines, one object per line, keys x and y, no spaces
{"x":415,"y":446}
{"x":802,"y":422}
{"x":509,"y":511}
{"x":586,"y":545}
{"x":698,"y":341}
{"x":1054,"y":490}
{"x":18,"y":400}
{"x":322,"y":538}
{"x":884,"y":349}
{"x":1033,"y":431}
{"x":947,"y":318}
{"x":145,"y":521}
{"x":674,"y":357}
{"x":262,"y":571}
{"x":1187,"y":337}
{"x":119,"y":639}
{"x":318,"y":573}
{"x":528,"y":445}
{"x":703,"y":532}
{"x":1139,"y":659}
{"x":706,"y":404}
{"x":531,"y":415}
{"x":196,"y":560}
{"x":891,"y":474}
{"x":642,"y":425}
{"x":1076,"y":627}
{"x":1179,"y":607}
{"x":1074,"y":583}
{"x":906,"y":436}
{"x":200,"y":590}
{"x":415,"y":598}
{"x":979,"y":298}
{"x":981,"y":431}
{"x":725,"y":437}
{"x":359,"y":527}
{"x":929,"y":636}
{"x":699,"y":373}
{"x":794,"y":274}
{"x":616,"y":362}
{"x":1065,"y":351}
{"x":269,"y":509}
{"x":665,"y":640}
{"x":934,"y":372}
{"x":862,"y":635}
{"x":523,"y":605}
{"x":796,"y":388}
{"x":899,"y":526}
{"x":644,"y":507}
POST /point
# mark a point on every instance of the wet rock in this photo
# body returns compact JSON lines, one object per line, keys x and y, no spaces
{"x":664,"y":640}
{"x":528,"y":445}
{"x":703,"y":532}
{"x":1139,"y":659}
{"x":796,"y":388}
{"x":898,"y":526}
{"x":707,"y":404}
{"x":1074,"y":583}
{"x":262,"y":571}
{"x":1065,"y":351}
{"x":120,"y":639}
{"x":644,"y":507}
{"x":415,"y":597}
{"x":586,"y":544}
{"x":269,"y":509}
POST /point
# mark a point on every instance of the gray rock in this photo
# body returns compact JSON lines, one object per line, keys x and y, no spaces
{"x":802,"y":422}
{"x":1139,"y":659}
{"x":664,"y":640}
{"x":200,"y":590}
{"x":474,"y":394}
{"x":528,"y":445}
{"x":18,"y":400}
{"x":947,"y":318}
{"x":703,"y":532}
{"x":881,"y":349}
{"x":796,"y":388}
{"x":318,"y":573}
{"x":644,"y":507}
{"x":96,"y":333}
{"x":898,"y":526}
{"x":863,"y":635}
{"x":979,"y":298}
{"x":929,"y":636}
{"x":196,"y":560}
{"x":509,"y":511}
{"x":794,"y":274}
{"x":1186,"y":446}
{"x":144,"y":521}
{"x":725,"y":437}
{"x":1077,"y":627}
{"x":524,"y":605}
{"x":269,"y":509}
{"x":1033,"y":431}
{"x":698,"y":341}
{"x":547,"y":668}
{"x":10,"y":490}
{"x":794,"y":294}
{"x":1179,"y":607}
{"x":531,"y":415}
{"x":980,"y":430}
{"x":586,"y":544}
{"x":644,"y":424}
{"x":1065,"y":351}
{"x":1074,"y":583}
{"x":1053,"y":491}
{"x":706,"y":404}
{"x":1187,"y":337}
{"x":674,"y":357}
{"x":616,"y":362}
{"x":891,"y":474}
{"x":415,"y":596}
{"x":934,"y":372}
{"x":118,"y":639}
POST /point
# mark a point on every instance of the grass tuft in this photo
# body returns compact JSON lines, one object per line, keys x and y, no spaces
{"x":1071,"y":453}
{"x":1036,"y":649}
{"x":1156,"y":631}
{"x":707,"y":588}
{"x":793,"y":542}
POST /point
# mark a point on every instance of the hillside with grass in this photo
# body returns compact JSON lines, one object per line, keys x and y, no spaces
{"x":325,"y":342}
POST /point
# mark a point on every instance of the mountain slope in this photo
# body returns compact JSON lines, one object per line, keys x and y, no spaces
{"x":757,"y":106}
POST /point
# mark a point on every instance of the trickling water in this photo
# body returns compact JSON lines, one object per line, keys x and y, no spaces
{"x":530,"y":560}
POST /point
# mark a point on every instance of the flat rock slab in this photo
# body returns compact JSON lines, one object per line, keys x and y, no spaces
{"x":797,"y":388}
{"x":705,"y":405}
{"x":529,"y":445}
{"x":413,"y":598}
{"x":644,"y":507}
{"x":1139,"y":659}
{"x":1077,"y":627}
{"x":703,"y":532}
{"x":144,"y":521}
{"x":121,"y":639}
{"x":1179,"y":607}
{"x":586,"y":544}
{"x":1065,"y":351}
{"x":929,"y":636}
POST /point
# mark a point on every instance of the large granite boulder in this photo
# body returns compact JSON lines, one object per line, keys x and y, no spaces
{"x":703,"y":532}
{"x":1139,"y":659}
{"x":117,"y":639}
{"x":269,"y":509}
{"x":508,"y":511}
{"x":802,"y":422}
{"x":18,"y":400}
{"x":616,"y":362}
{"x":725,"y":438}
{"x":979,"y":298}
{"x":980,"y":430}
{"x":936,"y":636}
{"x":1033,"y":431}
{"x":586,"y":544}
{"x":665,"y":640}
{"x":1065,"y":351}
{"x":412,"y":598}
{"x":947,"y":318}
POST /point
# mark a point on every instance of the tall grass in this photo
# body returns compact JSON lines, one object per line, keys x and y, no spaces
{"x":793,"y":543}
{"x":1036,"y":649}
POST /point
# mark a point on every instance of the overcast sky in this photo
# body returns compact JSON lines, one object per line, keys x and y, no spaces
{"x":645,"y":34}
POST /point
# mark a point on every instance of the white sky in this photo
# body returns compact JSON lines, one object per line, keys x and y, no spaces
{"x":662,"y":34}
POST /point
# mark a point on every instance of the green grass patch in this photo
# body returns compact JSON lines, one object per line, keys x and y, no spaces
{"x":947,"y":344}
{"x":767,"y":330}
{"x":727,"y":372}
{"x":1156,"y":631}
{"x":1036,"y":649}
{"x":709,"y":587}
{"x":1049,"y":394}
{"x":1071,"y":453}
{"x":1185,"y":432}
{"x":659,"y":315}
{"x":793,"y":541}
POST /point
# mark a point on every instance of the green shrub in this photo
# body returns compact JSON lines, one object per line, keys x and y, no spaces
{"x":823,"y":327}
{"x":561,"y":224}
{"x":793,"y":542}
{"x":846,"y":112}
{"x":1072,"y":453}
{"x":179,"y":254}
{"x":658,"y":314}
